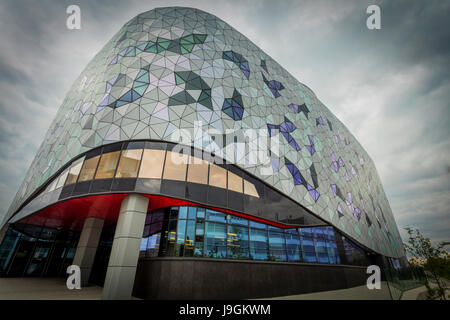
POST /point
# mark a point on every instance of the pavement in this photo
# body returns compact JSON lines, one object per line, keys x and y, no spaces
{"x":421,"y":293}
{"x":415,"y":294}
{"x":44,"y":289}
{"x":56,"y":289}
{"x":355,"y":293}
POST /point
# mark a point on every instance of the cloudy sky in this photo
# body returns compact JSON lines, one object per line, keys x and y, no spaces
{"x":390,"y":87}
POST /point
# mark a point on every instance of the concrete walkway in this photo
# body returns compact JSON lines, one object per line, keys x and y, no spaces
{"x":355,"y":293}
{"x":44,"y":289}
{"x":415,"y":294}
{"x":55,"y":289}
{"x":421,"y":293}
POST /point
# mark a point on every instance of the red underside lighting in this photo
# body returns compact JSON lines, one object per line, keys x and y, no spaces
{"x":70,"y":214}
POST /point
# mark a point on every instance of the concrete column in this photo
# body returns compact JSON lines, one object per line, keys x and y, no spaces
{"x":87,"y":247}
{"x":123,"y":261}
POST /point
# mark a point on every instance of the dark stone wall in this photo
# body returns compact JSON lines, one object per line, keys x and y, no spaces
{"x":200,"y":278}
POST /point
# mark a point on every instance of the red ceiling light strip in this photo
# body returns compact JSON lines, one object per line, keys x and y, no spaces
{"x":71,"y":213}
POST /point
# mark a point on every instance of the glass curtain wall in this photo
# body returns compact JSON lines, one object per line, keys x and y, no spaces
{"x":200,"y":232}
{"x":156,"y":164}
{"x":156,"y":168}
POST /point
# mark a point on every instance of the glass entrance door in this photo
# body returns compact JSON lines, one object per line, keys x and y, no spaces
{"x":21,"y":257}
{"x":34,"y":251}
{"x":39,"y":259}
{"x":68,"y":259}
{"x":55,"y":261}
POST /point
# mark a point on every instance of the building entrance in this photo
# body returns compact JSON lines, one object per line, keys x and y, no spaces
{"x":33,"y":251}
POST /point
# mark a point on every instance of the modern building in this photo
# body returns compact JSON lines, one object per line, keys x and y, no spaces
{"x":186,"y":163}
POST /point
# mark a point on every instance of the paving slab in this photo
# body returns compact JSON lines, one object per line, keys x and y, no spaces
{"x":355,"y":293}
{"x":44,"y":289}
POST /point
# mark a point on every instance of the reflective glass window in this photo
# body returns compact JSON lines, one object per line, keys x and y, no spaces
{"x":192,"y":212}
{"x":62,"y":178}
{"x":307,"y":232}
{"x":200,"y":232}
{"x":354,"y":254}
{"x":70,"y":253}
{"x":182,"y":212}
{"x":175,"y":166}
{"x":74,"y":171}
{"x":88,"y":169}
{"x":129,"y":163}
{"x":171,"y":237}
{"x":258,"y":225}
{"x":234,"y":182}
{"x":199,"y":238}
{"x":293,"y":246}
{"x":107,"y":165}
{"x":157,"y":216}
{"x":250,"y":189}
{"x":178,"y":249}
{"x":329,"y":232}
{"x":190,"y":239}
{"x":333,"y":254}
{"x":198,"y":171}
{"x":201,"y":213}
{"x":317,"y":233}
{"x":152,"y":164}
{"x":277,"y":246}
{"x":237,"y":241}
{"x":143,"y":246}
{"x":321,"y":250}
{"x":153,"y":245}
{"x":309,"y":256}
{"x":258,"y":244}
{"x":215,"y":240}
{"x":270,"y":227}
{"x":7,"y":247}
{"x":308,"y":248}
{"x":253,"y":196}
{"x":155,"y":227}
{"x":181,"y":229}
{"x":217,"y":176}
{"x":232,"y":219}
{"x":212,"y":215}
{"x":174,"y":212}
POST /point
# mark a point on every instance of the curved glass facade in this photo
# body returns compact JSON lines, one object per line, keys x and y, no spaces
{"x":153,"y":167}
{"x":189,"y":231}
